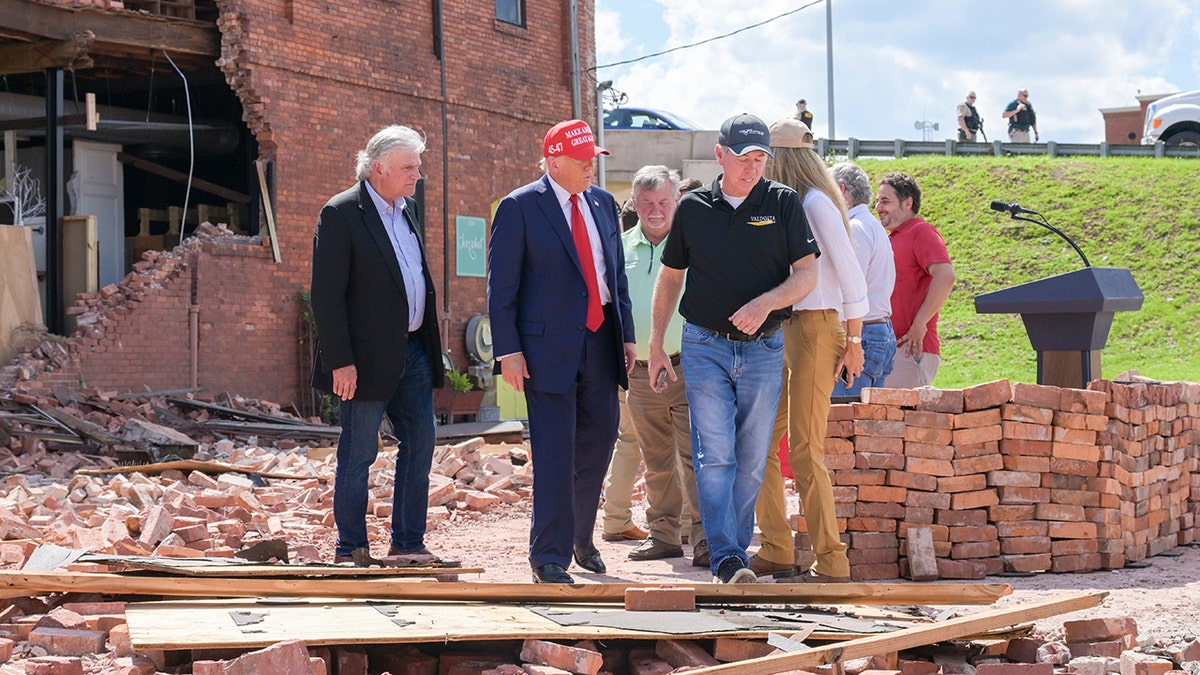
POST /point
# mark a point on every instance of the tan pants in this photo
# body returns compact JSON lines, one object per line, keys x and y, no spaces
{"x":664,"y":433}
{"x":813,"y":344}
{"x":622,"y":473}
{"x":908,"y":373}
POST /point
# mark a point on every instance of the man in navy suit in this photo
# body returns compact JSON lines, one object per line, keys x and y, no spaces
{"x":378,"y":347}
{"x":563,"y":334}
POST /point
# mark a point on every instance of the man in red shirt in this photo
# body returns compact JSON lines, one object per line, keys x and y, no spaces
{"x":924,"y":279}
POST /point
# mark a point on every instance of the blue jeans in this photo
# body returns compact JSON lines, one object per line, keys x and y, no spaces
{"x":411,"y":412}
{"x":733,"y":392}
{"x":879,"y":350}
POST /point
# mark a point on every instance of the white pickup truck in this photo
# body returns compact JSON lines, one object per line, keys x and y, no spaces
{"x":1174,"y":120}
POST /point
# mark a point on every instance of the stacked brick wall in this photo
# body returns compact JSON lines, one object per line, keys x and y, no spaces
{"x":1015,"y":478}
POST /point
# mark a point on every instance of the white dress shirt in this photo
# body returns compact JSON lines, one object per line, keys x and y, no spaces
{"x":564,"y":201}
{"x":408,"y":254}
{"x":874,"y":252}
{"x":840,"y":281}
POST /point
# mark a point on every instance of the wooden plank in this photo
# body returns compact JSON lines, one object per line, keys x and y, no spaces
{"x":185,"y":625}
{"x":34,"y":57}
{"x":910,"y":638}
{"x":82,"y":427}
{"x":239,"y":567}
{"x":129,"y":29}
{"x":20,"y":301}
{"x":260,"y":165}
{"x":262,"y":428}
{"x":403,"y":589}
{"x":180,"y":177}
{"x":188,"y":465}
{"x":242,"y":414}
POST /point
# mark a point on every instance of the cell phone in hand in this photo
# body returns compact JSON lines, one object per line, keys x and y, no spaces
{"x":844,"y":376}
{"x":660,"y":385}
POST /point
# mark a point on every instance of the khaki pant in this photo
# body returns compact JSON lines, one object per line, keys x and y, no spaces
{"x":1018,"y":136}
{"x":660,"y":421}
{"x":813,"y":344}
{"x":622,"y":473}
{"x":908,"y":373}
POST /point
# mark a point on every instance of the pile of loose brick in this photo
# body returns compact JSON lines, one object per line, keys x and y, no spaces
{"x":1013,"y":478}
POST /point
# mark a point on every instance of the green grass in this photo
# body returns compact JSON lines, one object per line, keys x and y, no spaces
{"x":1136,"y":213}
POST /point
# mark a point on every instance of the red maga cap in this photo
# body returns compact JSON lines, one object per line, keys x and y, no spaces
{"x":572,"y":138}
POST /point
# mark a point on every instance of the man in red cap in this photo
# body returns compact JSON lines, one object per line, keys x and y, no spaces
{"x":563,"y":334}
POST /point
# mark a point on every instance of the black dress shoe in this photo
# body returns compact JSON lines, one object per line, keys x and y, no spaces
{"x":655,"y":549}
{"x":589,"y":559}
{"x":551,"y":573}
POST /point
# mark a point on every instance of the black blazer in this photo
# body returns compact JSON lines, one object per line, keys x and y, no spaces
{"x":358,"y":298}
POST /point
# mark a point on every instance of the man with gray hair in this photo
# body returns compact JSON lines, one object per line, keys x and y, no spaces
{"x":378,"y":348}
{"x":660,"y":420}
{"x":874,"y":253}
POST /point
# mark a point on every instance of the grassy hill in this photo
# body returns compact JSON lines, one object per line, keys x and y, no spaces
{"x":1141,"y":214}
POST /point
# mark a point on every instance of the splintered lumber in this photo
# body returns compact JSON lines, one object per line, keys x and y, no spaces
{"x":240,"y":414}
{"x":82,"y":427}
{"x":909,"y":638}
{"x":188,"y":465}
{"x":406,"y":589}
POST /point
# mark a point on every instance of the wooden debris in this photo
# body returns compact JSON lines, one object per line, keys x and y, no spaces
{"x":909,"y":638}
{"x":861,"y":594}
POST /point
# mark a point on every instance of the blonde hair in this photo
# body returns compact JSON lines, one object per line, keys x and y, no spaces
{"x":802,"y":170}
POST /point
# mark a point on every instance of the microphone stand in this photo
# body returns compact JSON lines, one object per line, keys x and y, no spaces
{"x":1053,"y":229}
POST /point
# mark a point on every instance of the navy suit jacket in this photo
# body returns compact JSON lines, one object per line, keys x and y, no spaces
{"x":358,"y":298}
{"x":537,"y":298}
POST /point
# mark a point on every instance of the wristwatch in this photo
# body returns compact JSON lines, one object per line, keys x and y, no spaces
{"x":856,"y":339}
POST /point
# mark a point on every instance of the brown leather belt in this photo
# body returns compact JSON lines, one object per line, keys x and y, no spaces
{"x":646,"y":364}
{"x":875,"y":321}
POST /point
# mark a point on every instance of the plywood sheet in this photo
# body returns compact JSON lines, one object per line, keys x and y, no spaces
{"x":252,"y":624}
{"x":20,"y":301}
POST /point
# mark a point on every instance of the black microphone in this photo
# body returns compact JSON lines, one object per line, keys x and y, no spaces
{"x":1005,"y":207}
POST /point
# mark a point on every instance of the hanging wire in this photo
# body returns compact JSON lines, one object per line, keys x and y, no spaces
{"x":187,"y":194}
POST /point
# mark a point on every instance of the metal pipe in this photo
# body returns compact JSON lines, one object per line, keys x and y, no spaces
{"x":54,"y":201}
{"x":576,"y":93}
{"x":829,"y":62}
{"x":194,"y":344}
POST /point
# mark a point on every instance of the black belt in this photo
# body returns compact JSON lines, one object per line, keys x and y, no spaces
{"x":646,"y":364}
{"x":742,"y":337}
{"x":875,"y":321}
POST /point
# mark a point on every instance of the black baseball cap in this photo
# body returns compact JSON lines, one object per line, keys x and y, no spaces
{"x":745,"y":133}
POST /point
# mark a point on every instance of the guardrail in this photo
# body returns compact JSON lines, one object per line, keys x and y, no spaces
{"x":854,"y":148}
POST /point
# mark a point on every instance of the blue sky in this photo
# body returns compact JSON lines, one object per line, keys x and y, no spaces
{"x":897,"y":63}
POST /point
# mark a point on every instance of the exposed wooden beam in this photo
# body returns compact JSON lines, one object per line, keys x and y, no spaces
{"x":33,"y":57}
{"x":58,"y":22}
{"x":909,"y":638}
{"x":398,"y":589}
{"x":40,"y":122}
{"x":180,"y":177}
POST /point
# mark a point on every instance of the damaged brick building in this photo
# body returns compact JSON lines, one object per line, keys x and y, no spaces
{"x":203,"y":104}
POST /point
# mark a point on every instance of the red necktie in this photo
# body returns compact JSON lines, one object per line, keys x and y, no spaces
{"x":583,"y":247}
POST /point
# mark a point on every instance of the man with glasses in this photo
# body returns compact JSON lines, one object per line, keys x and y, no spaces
{"x":969,"y":120}
{"x":1021,"y":118}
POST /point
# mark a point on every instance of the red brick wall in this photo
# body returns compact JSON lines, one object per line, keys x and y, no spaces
{"x":317,"y":86}
{"x":136,"y":335}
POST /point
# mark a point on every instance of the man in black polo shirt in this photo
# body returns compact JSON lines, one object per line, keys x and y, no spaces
{"x":749,"y":254}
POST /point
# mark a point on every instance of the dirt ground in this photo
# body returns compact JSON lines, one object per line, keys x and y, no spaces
{"x":1164,"y":598}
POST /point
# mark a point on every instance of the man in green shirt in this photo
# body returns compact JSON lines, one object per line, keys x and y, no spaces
{"x":660,"y":420}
